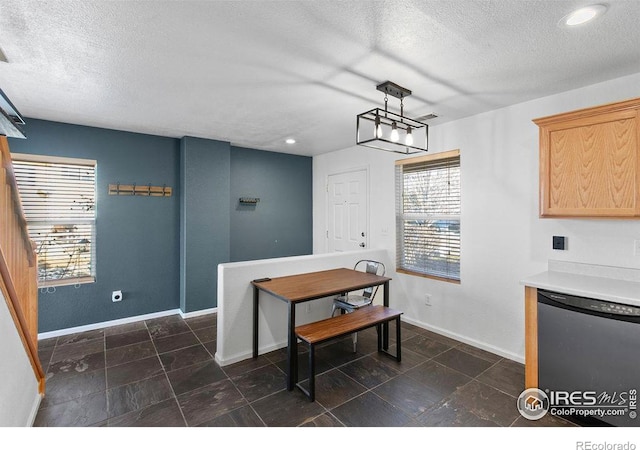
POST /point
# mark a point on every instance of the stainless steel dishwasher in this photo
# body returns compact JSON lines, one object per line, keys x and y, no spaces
{"x":589,"y":346}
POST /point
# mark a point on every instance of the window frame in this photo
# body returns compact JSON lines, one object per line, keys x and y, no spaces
{"x":435,"y":159}
{"x":46,"y":159}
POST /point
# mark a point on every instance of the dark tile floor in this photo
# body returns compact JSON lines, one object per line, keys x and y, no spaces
{"x":161,"y":372}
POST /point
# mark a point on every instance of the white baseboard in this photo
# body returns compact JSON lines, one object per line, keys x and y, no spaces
{"x":110,"y":323}
{"x":467,"y":340}
{"x":246,"y":355}
{"x":34,"y":410}
{"x":202,"y":312}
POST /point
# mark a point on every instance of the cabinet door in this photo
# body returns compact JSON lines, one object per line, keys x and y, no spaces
{"x":589,"y":166}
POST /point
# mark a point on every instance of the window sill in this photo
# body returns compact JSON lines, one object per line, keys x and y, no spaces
{"x":433,"y":277}
{"x":66,"y":282}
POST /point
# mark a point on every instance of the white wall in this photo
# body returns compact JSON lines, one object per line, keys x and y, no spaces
{"x":503,"y":239}
{"x":235,"y":301}
{"x":19,"y":398}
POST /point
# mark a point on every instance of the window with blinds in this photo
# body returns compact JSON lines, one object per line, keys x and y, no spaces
{"x":428,"y":215}
{"x":58,"y":200}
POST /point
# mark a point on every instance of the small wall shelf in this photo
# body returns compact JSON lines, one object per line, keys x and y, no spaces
{"x":143,"y":190}
{"x":249,"y":200}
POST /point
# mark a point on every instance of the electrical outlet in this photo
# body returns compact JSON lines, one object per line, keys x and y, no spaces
{"x":636,"y":247}
{"x":308,"y":309}
{"x":427,"y":299}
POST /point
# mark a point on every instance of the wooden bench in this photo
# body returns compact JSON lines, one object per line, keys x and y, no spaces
{"x":334,"y":327}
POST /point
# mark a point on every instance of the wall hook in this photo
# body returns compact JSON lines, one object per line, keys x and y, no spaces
{"x":145,"y":190}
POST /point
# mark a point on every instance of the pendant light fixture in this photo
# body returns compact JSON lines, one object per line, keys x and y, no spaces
{"x":386,"y":130}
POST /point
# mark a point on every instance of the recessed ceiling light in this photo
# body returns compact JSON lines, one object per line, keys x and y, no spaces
{"x":290,"y":141}
{"x":583,"y":15}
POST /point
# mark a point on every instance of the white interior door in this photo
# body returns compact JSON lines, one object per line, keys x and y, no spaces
{"x":347,"y":211}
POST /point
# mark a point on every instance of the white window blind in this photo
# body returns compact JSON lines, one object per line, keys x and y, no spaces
{"x":58,"y":199}
{"x":428,"y":215}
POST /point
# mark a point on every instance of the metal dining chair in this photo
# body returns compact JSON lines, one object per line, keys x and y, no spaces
{"x":352,"y":301}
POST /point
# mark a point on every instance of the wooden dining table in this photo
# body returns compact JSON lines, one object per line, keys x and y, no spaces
{"x":300,"y":288}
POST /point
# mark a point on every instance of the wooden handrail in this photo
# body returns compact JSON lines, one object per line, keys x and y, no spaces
{"x":18,"y":264}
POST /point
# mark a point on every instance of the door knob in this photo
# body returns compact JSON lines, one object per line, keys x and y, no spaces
{"x":362,"y":244}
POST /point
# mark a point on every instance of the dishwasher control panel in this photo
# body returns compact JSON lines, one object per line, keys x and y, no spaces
{"x":592,"y":304}
{"x":614,"y":308}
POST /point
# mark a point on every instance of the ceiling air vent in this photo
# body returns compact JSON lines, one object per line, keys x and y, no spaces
{"x":426,"y":117}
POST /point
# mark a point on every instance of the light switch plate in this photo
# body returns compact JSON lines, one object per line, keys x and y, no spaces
{"x":559,"y":243}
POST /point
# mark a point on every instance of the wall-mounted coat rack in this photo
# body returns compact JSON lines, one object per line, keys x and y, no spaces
{"x":143,"y":190}
{"x":249,"y":200}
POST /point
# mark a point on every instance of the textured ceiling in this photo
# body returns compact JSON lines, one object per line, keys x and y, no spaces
{"x":256,"y":72}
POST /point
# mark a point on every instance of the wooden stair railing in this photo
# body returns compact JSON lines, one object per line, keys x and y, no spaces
{"x":18,"y":263}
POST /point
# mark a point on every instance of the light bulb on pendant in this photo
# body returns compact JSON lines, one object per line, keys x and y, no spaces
{"x":409,"y":138}
{"x":394,"y":133}
{"x":378,"y":127}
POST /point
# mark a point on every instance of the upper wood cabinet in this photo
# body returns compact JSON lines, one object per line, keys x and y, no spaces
{"x":590,"y":162}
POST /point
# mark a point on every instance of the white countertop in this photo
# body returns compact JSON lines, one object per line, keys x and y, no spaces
{"x":609,"y":287}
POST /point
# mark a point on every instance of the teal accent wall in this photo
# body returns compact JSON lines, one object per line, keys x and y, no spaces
{"x":136,"y":237}
{"x":279,"y":224}
{"x":204,"y":220}
{"x":163,"y":252}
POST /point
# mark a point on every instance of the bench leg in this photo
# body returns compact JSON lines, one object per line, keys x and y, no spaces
{"x":310,"y":392}
{"x":380,"y":330}
{"x":398,"y":340}
{"x":312,"y":373}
